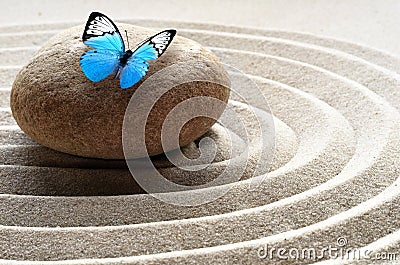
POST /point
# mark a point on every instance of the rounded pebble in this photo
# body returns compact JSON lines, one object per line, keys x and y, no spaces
{"x":55,"y":104}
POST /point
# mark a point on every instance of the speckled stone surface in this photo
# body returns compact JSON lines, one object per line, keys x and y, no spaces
{"x":54,"y":103}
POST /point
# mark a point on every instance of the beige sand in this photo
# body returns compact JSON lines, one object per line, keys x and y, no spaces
{"x":334,"y":175}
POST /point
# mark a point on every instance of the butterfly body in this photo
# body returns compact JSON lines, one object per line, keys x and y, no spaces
{"x":109,"y":55}
{"x":124,"y":58}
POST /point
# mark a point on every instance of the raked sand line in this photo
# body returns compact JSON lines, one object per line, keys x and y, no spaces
{"x":317,"y":128}
{"x":335,"y":174}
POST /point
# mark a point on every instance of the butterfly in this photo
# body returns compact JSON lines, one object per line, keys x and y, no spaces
{"x":109,"y":55}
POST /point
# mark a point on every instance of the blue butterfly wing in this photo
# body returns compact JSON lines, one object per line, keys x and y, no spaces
{"x":159,"y":43}
{"x":133,"y":72}
{"x":137,"y":65}
{"x":98,"y":64}
{"x":101,"y":33}
{"x":145,"y":52}
{"x":108,"y":42}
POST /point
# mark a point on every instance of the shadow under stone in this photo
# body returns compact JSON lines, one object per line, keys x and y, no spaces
{"x":28,"y":168}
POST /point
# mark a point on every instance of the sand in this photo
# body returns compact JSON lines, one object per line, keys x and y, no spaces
{"x":335,"y":172}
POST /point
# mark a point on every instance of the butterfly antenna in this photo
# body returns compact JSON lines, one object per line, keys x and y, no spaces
{"x":127,"y":40}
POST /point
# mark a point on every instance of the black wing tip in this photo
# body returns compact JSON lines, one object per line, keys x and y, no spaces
{"x":95,"y":14}
{"x":172,"y":31}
